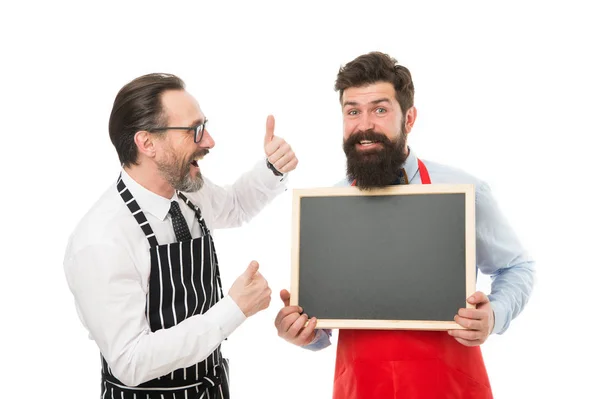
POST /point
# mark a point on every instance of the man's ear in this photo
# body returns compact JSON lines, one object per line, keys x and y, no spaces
{"x":145,"y":143}
{"x":409,"y":119}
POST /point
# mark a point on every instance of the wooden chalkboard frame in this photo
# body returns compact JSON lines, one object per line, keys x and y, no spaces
{"x":434,"y":189}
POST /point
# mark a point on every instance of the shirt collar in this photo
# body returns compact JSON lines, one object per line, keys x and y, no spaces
{"x":411,"y":165}
{"x":147,"y":200}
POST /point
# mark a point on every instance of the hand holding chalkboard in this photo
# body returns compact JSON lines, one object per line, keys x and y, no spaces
{"x":479,"y":322}
{"x":292,"y":325}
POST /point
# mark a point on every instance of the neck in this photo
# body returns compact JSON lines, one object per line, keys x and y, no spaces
{"x":150,"y":178}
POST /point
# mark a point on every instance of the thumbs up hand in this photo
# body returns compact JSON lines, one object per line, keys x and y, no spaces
{"x":250,"y":291}
{"x":278,"y":151}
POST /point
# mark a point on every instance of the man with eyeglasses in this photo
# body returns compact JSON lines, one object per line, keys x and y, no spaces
{"x":142,"y":265}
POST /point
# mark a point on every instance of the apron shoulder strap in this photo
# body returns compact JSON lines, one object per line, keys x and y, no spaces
{"x":425,"y":179}
{"x":197,"y":211}
{"x":137,"y":212}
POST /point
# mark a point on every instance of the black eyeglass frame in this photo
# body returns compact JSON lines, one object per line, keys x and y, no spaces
{"x":198,"y":130}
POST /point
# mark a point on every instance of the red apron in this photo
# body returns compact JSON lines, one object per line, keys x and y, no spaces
{"x":392,"y":364}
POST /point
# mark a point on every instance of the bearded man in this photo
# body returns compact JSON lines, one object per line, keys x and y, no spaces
{"x":376,"y":95}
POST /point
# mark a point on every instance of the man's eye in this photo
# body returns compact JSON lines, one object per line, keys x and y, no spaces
{"x":380,"y":110}
{"x":353,"y":112}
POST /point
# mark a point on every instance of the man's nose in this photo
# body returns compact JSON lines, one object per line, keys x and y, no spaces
{"x":365,"y":122}
{"x":207,"y":140}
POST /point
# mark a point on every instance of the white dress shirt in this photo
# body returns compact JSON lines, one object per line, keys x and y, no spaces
{"x":107,"y":265}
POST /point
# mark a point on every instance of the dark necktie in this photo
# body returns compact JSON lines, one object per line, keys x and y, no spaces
{"x":401,"y":179}
{"x":182,"y":233}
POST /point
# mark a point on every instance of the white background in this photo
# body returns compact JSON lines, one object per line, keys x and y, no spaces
{"x":508,"y":91}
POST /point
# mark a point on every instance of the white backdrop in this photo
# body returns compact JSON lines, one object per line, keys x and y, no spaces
{"x":507,"y":91}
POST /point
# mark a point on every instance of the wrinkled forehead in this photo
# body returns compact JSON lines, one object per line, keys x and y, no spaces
{"x":180,"y":108}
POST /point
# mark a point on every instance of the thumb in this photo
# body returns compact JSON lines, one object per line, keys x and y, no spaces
{"x":251,"y":270}
{"x":270,"y":132}
{"x":478,"y":298}
{"x":285,"y":297}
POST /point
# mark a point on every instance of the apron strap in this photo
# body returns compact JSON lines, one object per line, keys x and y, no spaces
{"x":425,"y":179}
{"x":136,"y":211}
{"x":197,"y":211}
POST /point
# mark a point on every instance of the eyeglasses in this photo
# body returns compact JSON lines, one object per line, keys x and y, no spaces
{"x":198,"y":130}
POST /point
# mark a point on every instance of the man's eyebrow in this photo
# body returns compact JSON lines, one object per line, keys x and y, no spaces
{"x":198,"y":122}
{"x":381,"y":100}
{"x":377,"y":101}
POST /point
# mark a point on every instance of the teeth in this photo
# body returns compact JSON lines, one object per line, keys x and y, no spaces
{"x":366,"y":142}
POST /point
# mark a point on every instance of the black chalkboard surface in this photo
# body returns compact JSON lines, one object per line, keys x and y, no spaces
{"x":401,"y":257}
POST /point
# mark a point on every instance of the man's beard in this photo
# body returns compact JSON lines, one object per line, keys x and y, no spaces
{"x":177,"y":172}
{"x":377,"y":167}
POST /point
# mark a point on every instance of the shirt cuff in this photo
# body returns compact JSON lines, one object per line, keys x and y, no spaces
{"x":320,"y":341}
{"x":499,"y":317}
{"x":268,"y":178}
{"x":227,"y":315}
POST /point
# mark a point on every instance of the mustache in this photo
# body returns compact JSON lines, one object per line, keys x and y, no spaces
{"x":370,"y":135}
{"x":200,"y":153}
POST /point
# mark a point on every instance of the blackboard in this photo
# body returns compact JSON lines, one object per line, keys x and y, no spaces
{"x":401,"y":257}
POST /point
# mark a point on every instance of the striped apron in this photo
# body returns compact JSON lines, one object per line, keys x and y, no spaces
{"x":394,"y":364}
{"x":184,"y":281}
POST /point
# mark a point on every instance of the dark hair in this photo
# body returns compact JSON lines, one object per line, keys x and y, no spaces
{"x":138,"y":107}
{"x":377,"y":67}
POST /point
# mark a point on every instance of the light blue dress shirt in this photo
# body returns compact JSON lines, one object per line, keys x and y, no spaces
{"x":499,"y":252}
